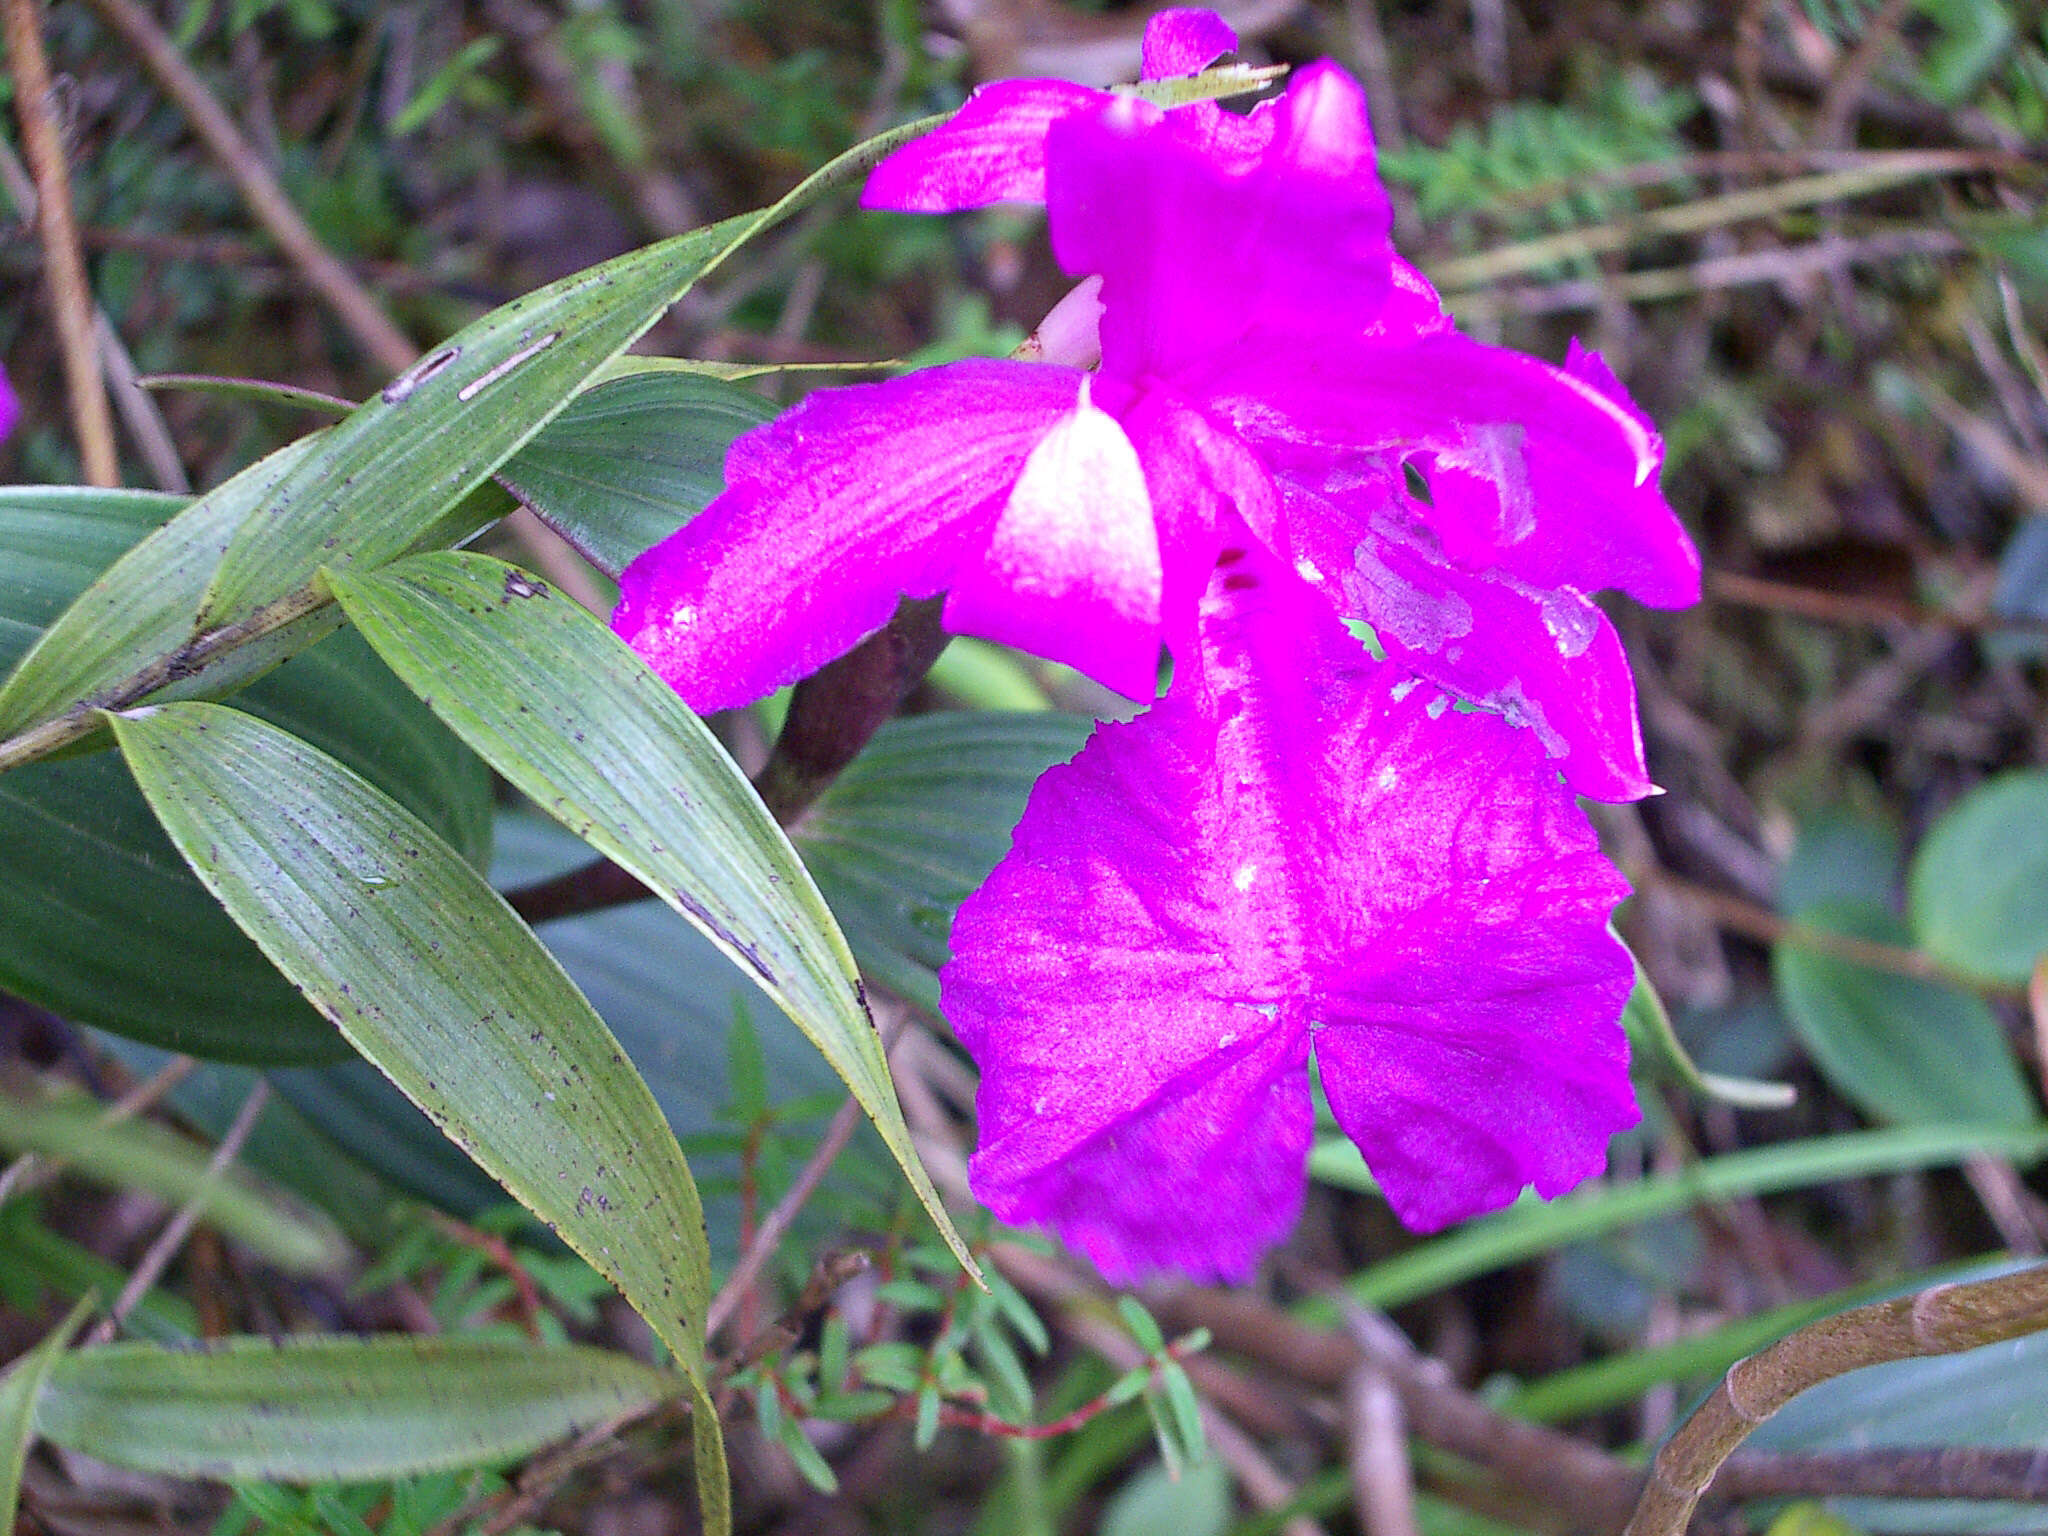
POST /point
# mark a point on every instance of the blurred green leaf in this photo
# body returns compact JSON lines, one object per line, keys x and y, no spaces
{"x":1531,"y":1227}
{"x":629,"y":462}
{"x":100,"y":920}
{"x":2022,"y":575}
{"x":1975,"y":38}
{"x":433,"y":978}
{"x":567,"y":712}
{"x":139,"y":1154}
{"x":314,"y":1409}
{"x":915,"y":825}
{"x":1900,"y":1049}
{"x":1197,"y":1503}
{"x":20,"y":1387}
{"x":1840,"y":855}
{"x":1979,"y":883}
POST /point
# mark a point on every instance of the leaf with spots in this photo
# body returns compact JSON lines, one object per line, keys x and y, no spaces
{"x":392,"y":935}
{"x":560,"y":706}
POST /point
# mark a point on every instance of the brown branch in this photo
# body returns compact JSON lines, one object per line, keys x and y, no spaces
{"x":834,"y":713}
{"x":334,"y":283}
{"x":1768,"y":927}
{"x":1586,"y":1488}
{"x":1942,"y":1320}
{"x":2018,"y":1476}
{"x":172,"y":1238}
{"x":42,"y":141}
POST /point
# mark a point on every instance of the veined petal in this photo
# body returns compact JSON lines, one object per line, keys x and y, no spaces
{"x":1210,"y":228}
{"x":1275,"y":842}
{"x":831,"y":513}
{"x":1469,"y":1039}
{"x":1142,"y":1095}
{"x":1547,"y":661}
{"x":991,"y":151}
{"x":1185,"y":41}
{"x":1548,"y":471}
{"x":1072,"y":570}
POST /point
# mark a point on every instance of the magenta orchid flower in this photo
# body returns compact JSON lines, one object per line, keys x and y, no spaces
{"x":1298,"y":848}
{"x":10,"y":406}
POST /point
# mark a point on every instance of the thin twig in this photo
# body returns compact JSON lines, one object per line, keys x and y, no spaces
{"x":1767,"y":927}
{"x":352,"y":304}
{"x":780,"y":1218}
{"x":172,"y":1238}
{"x":1382,"y":1480}
{"x":42,"y":140}
{"x":1854,"y":608}
{"x":1943,"y":1320}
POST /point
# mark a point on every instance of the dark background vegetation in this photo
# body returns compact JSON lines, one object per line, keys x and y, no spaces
{"x":1851,"y":379}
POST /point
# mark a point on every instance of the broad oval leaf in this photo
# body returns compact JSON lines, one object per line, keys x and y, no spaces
{"x":434,"y":979}
{"x":565,"y":710}
{"x":100,"y":920}
{"x":915,"y":824}
{"x":1979,"y":885}
{"x":630,"y":461}
{"x":1899,"y":1049}
{"x":314,"y":1409}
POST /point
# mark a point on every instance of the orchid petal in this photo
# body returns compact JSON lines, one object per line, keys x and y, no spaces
{"x":1548,"y":472}
{"x":1185,"y":41}
{"x":831,"y":513}
{"x":1546,"y":660}
{"x":1072,"y":571}
{"x":991,"y":151}
{"x":1211,"y":228}
{"x":1134,"y":978}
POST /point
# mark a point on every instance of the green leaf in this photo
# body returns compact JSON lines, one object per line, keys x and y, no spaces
{"x":567,"y":712}
{"x":629,"y":462}
{"x":434,"y":979}
{"x":139,"y":606}
{"x":382,"y":476}
{"x":668,"y":996}
{"x":1197,"y":1503}
{"x":1531,"y":1226}
{"x":1979,"y":883}
{"x":20,"y":1387}
{"x":138,"y":1154}
{"x":1898,"y":1048}
{"x":100,"y":920}
{"x":1841,"y":855}
{"x":906,"y":833}
{"x":315,"y":1409}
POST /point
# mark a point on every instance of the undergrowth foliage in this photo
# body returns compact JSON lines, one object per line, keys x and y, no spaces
{"x":997,"y":870}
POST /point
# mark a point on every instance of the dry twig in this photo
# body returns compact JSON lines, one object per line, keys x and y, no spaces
{"x":42,"y":140}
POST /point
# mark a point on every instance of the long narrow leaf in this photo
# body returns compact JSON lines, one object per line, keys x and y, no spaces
{"x":136,"y":1154}
{"x":19,"y":1390}
{"x":562,"y":708}
{"x":433,"y":978}
{"x":314,"y":1409}
{"x":382,"y":475}
{"x":1531,"y":1228}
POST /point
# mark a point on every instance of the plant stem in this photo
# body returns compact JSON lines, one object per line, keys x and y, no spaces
{"x":1942,"y":1320}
